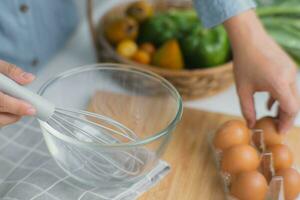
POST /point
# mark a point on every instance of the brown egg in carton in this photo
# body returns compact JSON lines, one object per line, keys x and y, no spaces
{"x":263,"y":170}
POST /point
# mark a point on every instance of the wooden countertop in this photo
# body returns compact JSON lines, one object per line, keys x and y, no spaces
{"x":193,"y":173}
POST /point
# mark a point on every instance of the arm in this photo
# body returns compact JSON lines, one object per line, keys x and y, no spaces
{"x":259,"y":63}
{"x":11,"y":109}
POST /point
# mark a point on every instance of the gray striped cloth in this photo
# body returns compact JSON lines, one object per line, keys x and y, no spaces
{"x":28,"y":172}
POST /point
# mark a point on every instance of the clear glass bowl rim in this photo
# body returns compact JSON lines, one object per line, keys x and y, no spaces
{"x":117,"y":67}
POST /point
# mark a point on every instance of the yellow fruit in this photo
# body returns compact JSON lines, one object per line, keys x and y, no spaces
{"x":169,"y":56}
{"x":142,"y":57}
{"x":120,"y":29}
{"x":127,"y":48}
{"x":140,"y":10}
{"x":148,"y":47}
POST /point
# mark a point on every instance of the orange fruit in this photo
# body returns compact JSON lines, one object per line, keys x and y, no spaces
{"x":148,"y":47}
{"x":142,"y":57}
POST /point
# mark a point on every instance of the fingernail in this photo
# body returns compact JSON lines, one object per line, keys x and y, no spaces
{"x":28,"y":75}
{"x":30,"y":111}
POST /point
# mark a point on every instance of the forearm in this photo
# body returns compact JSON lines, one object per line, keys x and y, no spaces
{"x":259,"y":64}
{"x":244,"y":28}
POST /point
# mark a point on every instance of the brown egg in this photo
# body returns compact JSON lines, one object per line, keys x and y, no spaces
{"x":271,"y":135}
{"x":240,"y":158}
{"x":291,"y":181}
{"x":282,"y":156}
{"x":249,"y":186}
{"x":233,"y":132}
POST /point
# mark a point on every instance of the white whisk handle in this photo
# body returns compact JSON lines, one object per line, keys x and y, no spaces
{"x":45,"y":109}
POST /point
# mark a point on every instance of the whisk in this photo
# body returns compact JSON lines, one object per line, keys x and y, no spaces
{"x":88,"y":127}
{"x":72,"y":121}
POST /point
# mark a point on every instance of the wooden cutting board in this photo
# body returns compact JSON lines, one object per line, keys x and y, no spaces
{"x":193,"y":173}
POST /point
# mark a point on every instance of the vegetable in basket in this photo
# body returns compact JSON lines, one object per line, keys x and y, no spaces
{"x":281,"y":19}
{"x":200,"y":47}
{"x":169,"y":56}
{"x":158,"y":29}
{"x":205,"y":47}
{"x":120,"y":29}
{"x":140,"y":10}
{"x":164,"y":26}
{"x":185,"y":20}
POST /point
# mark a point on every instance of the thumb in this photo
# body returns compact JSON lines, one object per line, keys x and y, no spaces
{"x":247,"y":105}
{"x":15,"y":73}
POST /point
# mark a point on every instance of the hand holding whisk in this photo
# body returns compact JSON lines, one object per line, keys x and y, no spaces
{"x":71,"y":121}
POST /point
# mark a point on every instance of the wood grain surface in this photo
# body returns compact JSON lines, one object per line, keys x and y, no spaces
{"x":193,"y":173}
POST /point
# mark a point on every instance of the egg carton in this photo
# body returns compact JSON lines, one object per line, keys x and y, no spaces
{"x":276,"y":184}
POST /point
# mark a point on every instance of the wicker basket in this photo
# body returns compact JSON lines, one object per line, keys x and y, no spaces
{"x":191,"y":84}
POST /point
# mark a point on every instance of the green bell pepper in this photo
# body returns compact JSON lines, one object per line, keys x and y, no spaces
{"x":185,"y":20}
{"x":158,"y":29}
{"x":168,"y":25}
{"x":205,"y":47}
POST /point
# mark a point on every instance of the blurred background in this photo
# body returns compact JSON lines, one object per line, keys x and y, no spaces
{"x":278,"y":17}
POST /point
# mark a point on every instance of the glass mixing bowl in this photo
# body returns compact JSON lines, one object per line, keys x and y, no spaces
{"x":135,"y":100}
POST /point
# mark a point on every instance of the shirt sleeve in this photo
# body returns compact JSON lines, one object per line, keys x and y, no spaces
{"x":214,"y":12}
{"x":32,"y":32}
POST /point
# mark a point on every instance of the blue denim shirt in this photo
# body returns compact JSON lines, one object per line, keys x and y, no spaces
{"x":214,"y":12}
{"x":31,"y":31}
